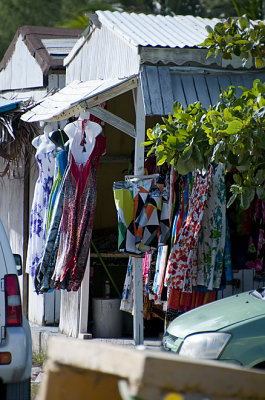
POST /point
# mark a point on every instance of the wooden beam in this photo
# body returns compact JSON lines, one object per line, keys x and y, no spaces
{"x":25,"y":283}
{"x":113,"y":120}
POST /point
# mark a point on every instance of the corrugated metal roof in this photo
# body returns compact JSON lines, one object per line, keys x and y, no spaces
{"x":32,"y":37}
{"x":59,"y":48}
{"x":157,"y":30}
{"x":76,"y":96}
{"x":164,"y":85}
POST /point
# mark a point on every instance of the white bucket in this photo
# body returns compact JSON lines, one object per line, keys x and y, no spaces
{"x":107,"y":318}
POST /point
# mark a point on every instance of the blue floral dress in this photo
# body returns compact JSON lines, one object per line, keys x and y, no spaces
{"x":40,"y":203}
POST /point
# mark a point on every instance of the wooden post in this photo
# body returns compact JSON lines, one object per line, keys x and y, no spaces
{"x":84,"y":304}
{"x":138,"y":328}
{"x":25,"y":230}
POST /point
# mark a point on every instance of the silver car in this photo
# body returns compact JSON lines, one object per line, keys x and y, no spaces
{"x":15,"y":334}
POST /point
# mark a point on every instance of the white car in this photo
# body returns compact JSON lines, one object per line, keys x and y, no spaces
{"x":15,"y":334}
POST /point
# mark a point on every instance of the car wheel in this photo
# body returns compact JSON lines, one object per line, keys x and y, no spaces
{"x":18,"y":390}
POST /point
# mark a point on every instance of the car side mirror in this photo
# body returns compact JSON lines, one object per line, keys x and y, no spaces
{"x":18,"y":261}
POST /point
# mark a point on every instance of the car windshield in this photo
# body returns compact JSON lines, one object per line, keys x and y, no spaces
{"x":259,"y":293}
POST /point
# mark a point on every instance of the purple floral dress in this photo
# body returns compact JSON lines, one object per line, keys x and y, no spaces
{"x":40,"y":203}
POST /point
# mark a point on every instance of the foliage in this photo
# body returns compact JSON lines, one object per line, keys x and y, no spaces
{"x":237,"y":36}
{"x":232,"y":132}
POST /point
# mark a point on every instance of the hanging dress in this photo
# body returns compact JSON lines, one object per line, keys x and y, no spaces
{"x":211,"y":244}
{"x":179,"y":267}
{"x":40,"y":203}
{"x":45,"y":269}
{"x":77,"y":220}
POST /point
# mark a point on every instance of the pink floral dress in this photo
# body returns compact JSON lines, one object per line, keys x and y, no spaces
{"x":183,"y":253}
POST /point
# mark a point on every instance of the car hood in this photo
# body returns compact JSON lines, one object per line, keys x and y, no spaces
{"x":217,"y":315}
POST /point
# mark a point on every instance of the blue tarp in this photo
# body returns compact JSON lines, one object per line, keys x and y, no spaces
{"x":8,"y":105}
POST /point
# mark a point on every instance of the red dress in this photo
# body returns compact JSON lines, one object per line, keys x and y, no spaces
{"x":77,"y":219}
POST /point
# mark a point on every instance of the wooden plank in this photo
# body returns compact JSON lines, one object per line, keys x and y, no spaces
{"x":26,"y":213}
{"x":146,"y":94}
{"x":69,"y":316}
{"x":239,"y":277}
{"x":202,"y":90}
{"x":113,"y":120}
{"x":224,"y":81}
{"x":237,"y":80}
{"x":84,"y":300}
{"x":248,"y":279}
{"x":227,"y":291}
{"x":213,"y":88}
{"x":189,"y":88}
{"x":166,"y":89}
{"x":178,"y":92}
{"x":154,"y":90}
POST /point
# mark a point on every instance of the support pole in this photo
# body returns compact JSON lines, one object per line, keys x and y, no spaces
{"x":138,"y":326}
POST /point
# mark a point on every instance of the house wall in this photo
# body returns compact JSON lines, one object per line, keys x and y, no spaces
{"x":104,"y":55}
{"x":22,"y":70}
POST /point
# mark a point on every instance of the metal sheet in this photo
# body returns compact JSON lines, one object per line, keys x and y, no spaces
{"x":157,"y":30}
{"x":76,"y":96}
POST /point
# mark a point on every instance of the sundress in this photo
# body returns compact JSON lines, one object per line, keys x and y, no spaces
{"x":40,"y":203}
{"x":77,"y":220}
{"x":208,"y":268}
{"x":179,"y":267}
{"x":45,"y":269}
{"x":60,"y":165}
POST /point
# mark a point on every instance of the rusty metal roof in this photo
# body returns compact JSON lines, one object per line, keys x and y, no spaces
{"x":157,"y":30}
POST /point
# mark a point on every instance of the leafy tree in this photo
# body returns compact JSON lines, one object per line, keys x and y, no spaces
{"x":231,"y":132}
{"x":239,"y":37}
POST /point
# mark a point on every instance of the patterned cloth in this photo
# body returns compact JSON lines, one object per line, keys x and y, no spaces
{"x":208,"y":268}
{"x":43,"y":280}
{"x":38,"y":217}
{"x":60,"y":165}
{"x":127,"y":294}
{"x":77,"y":220}
{"x":256,"y":246}
{"x":179,"y":267}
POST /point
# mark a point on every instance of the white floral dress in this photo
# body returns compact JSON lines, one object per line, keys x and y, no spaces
{"x":45,"y":157}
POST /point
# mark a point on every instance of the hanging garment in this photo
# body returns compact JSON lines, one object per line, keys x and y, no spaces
{"x":130,"y":198}
{"x":60,"y":165}
{"x":209,"y":261}
{"x":77,"y":220}
{"x":123,"y":198}
{"x":152,"y":224}
{"x":45,"y":157}
{"x":256,"y":245}
{"x":43,"y":282}
{"x":127,"y":293}
{"x":179,"y":267}
{"x":161,"y":261}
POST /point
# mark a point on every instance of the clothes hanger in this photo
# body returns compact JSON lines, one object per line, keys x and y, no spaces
{"x":59,"y":138}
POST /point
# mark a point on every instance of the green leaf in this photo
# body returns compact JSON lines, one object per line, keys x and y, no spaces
{"x":162,"y":160}
{"x":261,"y":192}
{"x":246,"y":197}
{"x":182,"y":167}
{"x":187,"y":153}
{"x":259,"y":177}
{"x":234,"y":127}
{"x":237,"y":179}
{"x":231,"y":200}
{"x":147,"y":143}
